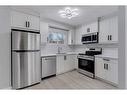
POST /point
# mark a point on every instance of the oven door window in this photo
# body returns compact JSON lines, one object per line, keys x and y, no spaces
{"x":87,"y":65}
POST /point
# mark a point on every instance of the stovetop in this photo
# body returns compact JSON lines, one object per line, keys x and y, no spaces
{"x":90,"y":53}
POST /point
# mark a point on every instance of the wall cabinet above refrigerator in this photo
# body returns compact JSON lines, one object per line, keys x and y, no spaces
{"x":24,"y":21}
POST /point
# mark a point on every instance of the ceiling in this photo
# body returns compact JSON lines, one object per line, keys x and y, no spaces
{"x":86,"y":13}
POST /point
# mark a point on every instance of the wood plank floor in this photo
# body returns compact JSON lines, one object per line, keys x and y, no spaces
{"x":71,"y":80}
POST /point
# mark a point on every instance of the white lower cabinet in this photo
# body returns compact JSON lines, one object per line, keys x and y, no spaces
{"x":65,"y":63}
{"x":107,"y":69}
{"x":60,"y":62}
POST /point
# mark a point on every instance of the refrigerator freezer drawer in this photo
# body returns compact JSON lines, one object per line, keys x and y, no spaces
{"x":26,"y":69}
{"x":25,"y":41}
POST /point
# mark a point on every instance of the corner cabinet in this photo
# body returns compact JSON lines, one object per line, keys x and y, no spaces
{"x":107,"y":69}
{"x":108,"y":30}
{"x":24,"y":21}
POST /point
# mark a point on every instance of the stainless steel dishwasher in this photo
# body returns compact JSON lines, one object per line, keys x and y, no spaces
{"x":48,"y":66}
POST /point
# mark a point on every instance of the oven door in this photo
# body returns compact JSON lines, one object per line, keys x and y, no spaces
{"x":86,"y":64}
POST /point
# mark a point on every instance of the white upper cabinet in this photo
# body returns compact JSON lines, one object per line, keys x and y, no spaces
{"x":85,"y":29}
{"x":90,"y":28}
{"x":108,"y":30}
{"x":71,"y":37}
{"x":34,"y":22}
{"x":78,"y":35}
{"x":25,"y":21}
{"x":44,"y":32}
{"x":18,"y":19}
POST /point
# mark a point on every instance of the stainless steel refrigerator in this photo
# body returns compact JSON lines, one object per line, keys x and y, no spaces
{"x":26,"y":66}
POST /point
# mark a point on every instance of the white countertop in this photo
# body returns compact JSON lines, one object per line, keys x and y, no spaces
{"x":107,"y":56}
{"x":61,"y":54}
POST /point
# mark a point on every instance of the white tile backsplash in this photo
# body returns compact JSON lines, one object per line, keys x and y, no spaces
{"x":53,"y":49}
{"x":107,"y":50}
{"x":110,"y":52}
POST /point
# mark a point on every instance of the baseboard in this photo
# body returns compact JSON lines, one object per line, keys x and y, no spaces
{"x":111,"y":83}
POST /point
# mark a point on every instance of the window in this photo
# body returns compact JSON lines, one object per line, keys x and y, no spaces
{"x":56,"y":36}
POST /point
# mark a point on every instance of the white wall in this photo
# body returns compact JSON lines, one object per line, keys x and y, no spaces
{"x":122,"y":47}
{"x":126,"y":45}
{"x":5,"y":48}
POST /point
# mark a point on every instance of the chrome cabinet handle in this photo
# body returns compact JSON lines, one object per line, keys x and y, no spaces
{"x":104,"y":66}
{"x":26,"y":24}
{"x":108,"y":37}
{"x":107,"y":66}
{"x":106,"y":59}
{"x":65,"y":57}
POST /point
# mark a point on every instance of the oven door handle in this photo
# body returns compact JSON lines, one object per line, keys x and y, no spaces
{"x":86,"y":58}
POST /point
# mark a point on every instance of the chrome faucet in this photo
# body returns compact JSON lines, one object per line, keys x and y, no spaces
{"x":59,"y":49}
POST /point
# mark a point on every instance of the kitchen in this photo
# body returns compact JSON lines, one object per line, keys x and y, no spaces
{"x":76,"y":52}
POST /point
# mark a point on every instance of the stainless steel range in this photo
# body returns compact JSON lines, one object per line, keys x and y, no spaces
{"x":86,"y":62}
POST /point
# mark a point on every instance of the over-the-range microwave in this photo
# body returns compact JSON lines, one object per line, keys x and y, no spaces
{"x":90,"y":38}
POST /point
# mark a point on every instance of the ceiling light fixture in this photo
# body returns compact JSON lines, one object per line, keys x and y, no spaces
{"x":68,"y":13}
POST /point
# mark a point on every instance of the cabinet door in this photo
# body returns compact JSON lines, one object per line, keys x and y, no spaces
{"x":112,"y":72}
{"x":69,"y":63}
{"x":18,"y":19}
{"x":114,"y":29}
{"x":34,"y":22}
{"x":94,"y":27}
{"x":99,"y":68}
{"x":108,"y":30}
{"x":78,"y":35}
{"x":71,"y":37}
{"x":44,"y":32}
{"x":104,"y":31}
{"x":75,"y":61}
{"x":60,"y":65}
{"x":90,"y":28}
